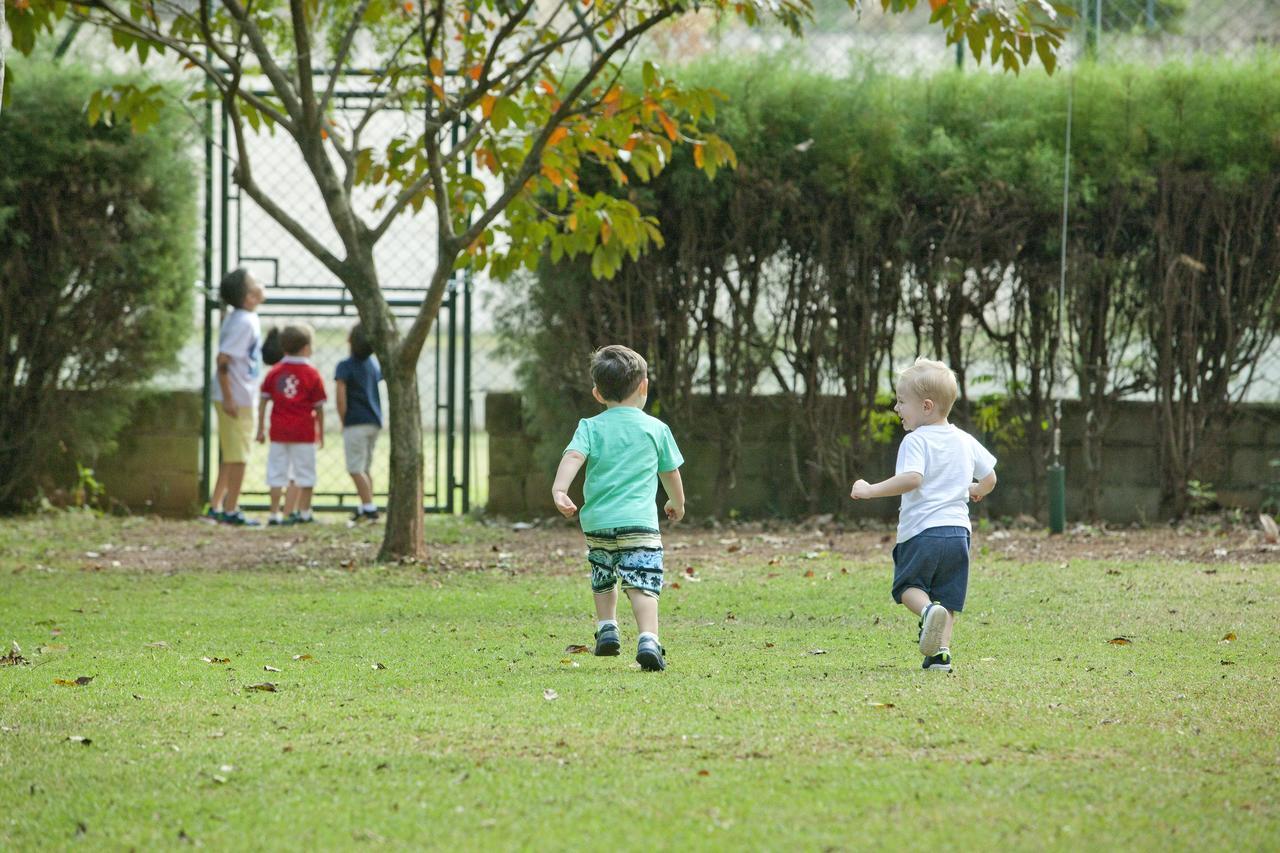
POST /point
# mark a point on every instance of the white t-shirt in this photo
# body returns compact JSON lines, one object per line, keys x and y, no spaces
{"x":241,"y":338}
{"x":950,"y":460}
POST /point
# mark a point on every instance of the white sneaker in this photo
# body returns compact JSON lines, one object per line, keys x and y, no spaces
{"x":932,"y":623}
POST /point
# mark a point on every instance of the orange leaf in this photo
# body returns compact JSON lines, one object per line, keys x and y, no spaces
{"x":486,"y":105}
{"x":548,"y":87}
{"x":324,"y":134}
{"x":553,"y":175}
{"x":667,"y":124}
{"x":557,"y":136}
{"x":1120,"y":641}
{"x":605,"y":232}
{"x":935,"y":5}
{"x":697,"y":155}
{"x":436,"y":66}
{"x":438,"y":89}
{"x":476,"y":71}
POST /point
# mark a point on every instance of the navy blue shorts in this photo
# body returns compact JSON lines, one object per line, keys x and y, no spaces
{"x":935,"y":560}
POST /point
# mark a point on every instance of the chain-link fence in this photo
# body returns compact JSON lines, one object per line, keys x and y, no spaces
{"x":300,"y":289}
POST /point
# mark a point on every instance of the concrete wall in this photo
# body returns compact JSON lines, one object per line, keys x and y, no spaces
{"x":156,"y":465}
{"x":1239,"y":469}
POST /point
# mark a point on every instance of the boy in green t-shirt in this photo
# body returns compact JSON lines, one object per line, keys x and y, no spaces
{"x":626,"y":453}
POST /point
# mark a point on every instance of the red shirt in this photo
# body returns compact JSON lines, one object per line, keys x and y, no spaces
{"x":296,"y":390}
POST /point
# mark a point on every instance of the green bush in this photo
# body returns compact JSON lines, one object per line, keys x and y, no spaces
{"x":97,"y":264}
{"x":872,"y":208}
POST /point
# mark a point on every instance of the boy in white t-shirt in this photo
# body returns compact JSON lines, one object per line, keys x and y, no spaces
{"x":938,"y":464}
{"x":235,"y":389}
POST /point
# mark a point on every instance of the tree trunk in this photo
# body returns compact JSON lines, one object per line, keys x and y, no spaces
{"x":403,"y":538}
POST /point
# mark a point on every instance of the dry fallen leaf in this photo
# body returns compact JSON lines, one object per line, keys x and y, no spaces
{"x":734,"y":548}
{"x":14,"y":657}
{"x":885,"y":705}
{"x":79,"y":682}
{"x":216,"y":660}
{"x":378,"y":666}
{"x":1229,"y":638}
{"x":161,"y":644}
{"x":1270,"y":531}
{"x":809,"y":573}
{"x":1120,"y":641}
{"x":817,"y":651}
{"x":704,"y":772}
{"x":550,"y":695}
{"x":80,"y":739}
{"x":263,"y":687}
{"x":1228,"y":663}
{"x":768,"y":645}
{"x":269,"y":668}
{"x":576,"y":649}
{"x":303,"y":657}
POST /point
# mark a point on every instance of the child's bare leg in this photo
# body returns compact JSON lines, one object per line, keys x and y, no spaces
{"x":276,"y":494}
{"x":645,"y":608}
{"x":219,"y":489}
{"x":304,"y":498}
{"x":291,"y":499}
{"x":915,"y":599}
{"x":364,"y":487}
{"x":607,"y":605}
{"x":235,"y":479}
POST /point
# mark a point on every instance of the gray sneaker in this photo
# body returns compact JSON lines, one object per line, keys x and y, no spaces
{"x":932,"y":623}
{"x":650,"y":655}
{"x":607,"y":643}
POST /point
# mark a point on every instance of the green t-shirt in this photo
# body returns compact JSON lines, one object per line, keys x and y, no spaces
{"x":625,"y":450}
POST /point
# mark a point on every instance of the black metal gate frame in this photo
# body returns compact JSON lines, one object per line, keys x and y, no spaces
{"x":338,"y":303}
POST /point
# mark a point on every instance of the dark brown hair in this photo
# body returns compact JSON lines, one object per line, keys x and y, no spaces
{"x":293,"y":339}
{"x":234,"y":288}
{"x":617,"y":371}
{"x":361,"y":346}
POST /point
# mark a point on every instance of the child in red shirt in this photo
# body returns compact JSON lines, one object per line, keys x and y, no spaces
{"x":295,"y":391}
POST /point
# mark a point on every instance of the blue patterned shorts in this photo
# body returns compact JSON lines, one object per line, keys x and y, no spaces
{"x":630,"y":554}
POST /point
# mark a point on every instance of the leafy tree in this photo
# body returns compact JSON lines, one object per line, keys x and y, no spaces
{"x":95,"y":272}
{"x":529,"y":91}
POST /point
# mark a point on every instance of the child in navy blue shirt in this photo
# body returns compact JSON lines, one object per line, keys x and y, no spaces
{"x":360,"y":408}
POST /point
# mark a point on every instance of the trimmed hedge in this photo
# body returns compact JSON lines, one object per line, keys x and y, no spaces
{"x":875,"y":207}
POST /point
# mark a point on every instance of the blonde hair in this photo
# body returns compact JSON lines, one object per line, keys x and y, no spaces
{"x":931,"y":380}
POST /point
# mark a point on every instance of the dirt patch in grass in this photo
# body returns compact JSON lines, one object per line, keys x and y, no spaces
{"x":154,"y":545}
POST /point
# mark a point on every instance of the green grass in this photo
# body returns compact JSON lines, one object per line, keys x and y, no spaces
{"x":1046,"y":736}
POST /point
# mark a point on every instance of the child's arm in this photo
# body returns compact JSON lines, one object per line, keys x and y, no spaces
{"x":340,"y":397}
{"x":982,"y":488}
{"x":262,"y":419}
{"x":318,"y":414}
{"x":570,"y":464}
{"x":224,"y":383}
{"x":674,"y":487}
{"x":892,"y":487}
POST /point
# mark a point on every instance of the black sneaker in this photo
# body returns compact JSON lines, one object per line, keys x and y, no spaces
{"x":364,"y":515}
{"x":941,"y":661}
{"x":238,"y":519}
{"x":295,"y":517}
{"x":211,"y":514}
{"x":607,"y":643}
{"x":279,"y":522}
{"x":651,"y":656}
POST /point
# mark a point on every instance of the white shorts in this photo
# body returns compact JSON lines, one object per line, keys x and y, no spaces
{"x":358,"y":441}
{"x":292,"y":460}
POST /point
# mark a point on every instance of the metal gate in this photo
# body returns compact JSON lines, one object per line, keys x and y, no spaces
{"x":299,"y":290}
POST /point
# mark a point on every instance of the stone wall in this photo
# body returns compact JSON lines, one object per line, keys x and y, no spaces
{"x":520,"y":486}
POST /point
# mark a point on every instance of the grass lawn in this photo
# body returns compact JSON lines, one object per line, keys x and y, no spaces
{"x":1046,"y":736}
